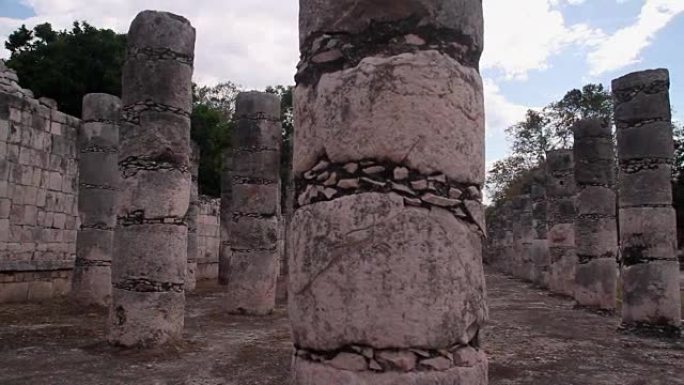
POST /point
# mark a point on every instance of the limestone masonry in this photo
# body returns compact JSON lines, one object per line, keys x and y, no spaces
{"x":650,"y":275}
{"x":596,"y":235}
{"x":98,"y":189}
{"x":388,"y":166}
{"x":560,"y":216}
{"x":255,"y":212}
{"x":150,"y":243}
{"x":38,"y":194}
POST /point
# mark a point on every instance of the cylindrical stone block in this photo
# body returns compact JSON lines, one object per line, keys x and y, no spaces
{"x":596,"y":233}
{"x":386,"y":238}
{"x":523,"y":232}
{"x":226,"y":217}
{"x":151,"y":236}
{"x":540,"y":245}
{"x":98,"y":144}
{"x":192,"y":218}
{"x":561,"y":212}
{"x":254,"y":223}
{"x":650,"y":279}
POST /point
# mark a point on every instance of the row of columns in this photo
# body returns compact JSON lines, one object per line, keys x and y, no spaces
{"x":138,"y":193}
{"x":581,"y":250}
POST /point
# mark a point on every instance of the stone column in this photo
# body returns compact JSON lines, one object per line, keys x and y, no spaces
{"x":540,"y":245}
{"x":561,"y":212}
{"x":150,"y":242}
{"x":98,"y":143}
{"x":253,"y":229}
{"x":523,"y":230}
{"x":508,"y":256}
{"x":386,"y":282}
{"x":192,"y":217}
{"x":596,"y":225}
{"x":650,"y":275}
{"x":225,"y":216}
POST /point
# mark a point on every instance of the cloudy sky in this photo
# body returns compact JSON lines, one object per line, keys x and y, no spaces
{"x":535,"y":50}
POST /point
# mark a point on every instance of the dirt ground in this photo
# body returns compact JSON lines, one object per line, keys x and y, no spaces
{"x":533,"y":338}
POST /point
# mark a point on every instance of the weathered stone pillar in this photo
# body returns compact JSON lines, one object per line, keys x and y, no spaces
{"x":225,"y":216}
{"x":596,"y":225}
{"x":650,"y":275}
{"x":561,"y":212}
{"x":253,"y":229}
{"x":540,"y":245}
{"x":98,"y":143}
{"x":191,"y":218}
{"x":150,"y":258}
{"x":523,"y":230}
{"x":508,"y":245}
{"x":386,"y":278}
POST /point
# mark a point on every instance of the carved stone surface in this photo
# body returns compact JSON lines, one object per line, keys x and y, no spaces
{"x":650,"y":297}
{"x":98,"y":188}
{"x":561,"y":211}
{"x":596,"y":234}
{"x":254,"y":207}
{"x":386,"y":237}
{"x":192,"y":218}
{"x":151,"y":237}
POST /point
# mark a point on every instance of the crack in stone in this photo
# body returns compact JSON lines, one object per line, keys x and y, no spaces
{"x":332,"y":52}
{"x":138,"y":218}
{"x":144,"y":285}
{"x":99,"y":149}
{"x":89,"y":186}
{"x":407,"y":360}
{"x":329,"y":181}
{"x":159,"y":54}
{"x":131,"y":113}
{"x":91,"y":263}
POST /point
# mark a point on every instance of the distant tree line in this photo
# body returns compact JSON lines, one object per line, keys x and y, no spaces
{"x":66,"y":65}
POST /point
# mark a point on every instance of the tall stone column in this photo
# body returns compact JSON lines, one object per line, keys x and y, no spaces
{"x":650,"y":275}
{"x":254,"y":229}
{"x":386,"y":282}
{"x":596,"y":224}
{"x":192,"y":217}
{"x":225,"y":216}
{"x":523,"y":230}
{"x":150,"y":241}
{"x":540,"y":245}
{"x":561,"y":212}
{"x":98,"y":143}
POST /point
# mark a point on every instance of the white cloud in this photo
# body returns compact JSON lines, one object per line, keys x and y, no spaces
{"x":253,"y":43}
{"x":500,"y":112}
{"x":521,"y":36}
{"x":624,"y":47}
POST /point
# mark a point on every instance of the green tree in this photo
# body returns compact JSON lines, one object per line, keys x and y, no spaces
{"x":212,"y":113}
{"x":547,"y":129}
{"x":66,"y":65}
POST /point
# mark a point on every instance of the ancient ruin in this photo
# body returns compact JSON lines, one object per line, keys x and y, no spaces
{"x":651,"y":295}
{"x":540,"y":246}
{"x":192,"y":220}
{"x":254,"y":224}
{"x":596,"y":236}
{"x":98,"y":147}
{"x":366,"y":263}
{"x":150,"y":243}
{"x":388,"y":163}
{"x":560,"y":219}
{"x":225,"y":217}
{"x":38,"y":194}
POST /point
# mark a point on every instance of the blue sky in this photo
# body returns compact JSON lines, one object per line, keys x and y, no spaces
{"x":535,"y":50}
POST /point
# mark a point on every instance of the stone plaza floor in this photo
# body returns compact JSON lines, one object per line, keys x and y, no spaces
{"x":533,"y":338}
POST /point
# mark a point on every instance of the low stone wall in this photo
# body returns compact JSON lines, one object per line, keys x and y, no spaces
{"x":38,"y":194}
{"x":208,"y":238}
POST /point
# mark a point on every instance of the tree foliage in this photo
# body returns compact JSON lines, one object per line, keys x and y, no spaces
{"x":544,"y":130}
{"x":66,"y":65}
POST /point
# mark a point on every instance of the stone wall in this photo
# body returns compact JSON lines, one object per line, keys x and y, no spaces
{"x":38,"y":194}
{"x":208,"y":238}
